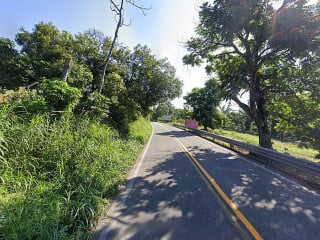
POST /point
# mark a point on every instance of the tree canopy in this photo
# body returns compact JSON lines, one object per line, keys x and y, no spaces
{"x":204,"y":102}
{"x":249,"y":45}
{"x":296,"y":106}
{"x":135,"y":80}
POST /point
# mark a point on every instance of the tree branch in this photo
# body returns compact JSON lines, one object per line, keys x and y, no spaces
{"x":237,"y":50}
{"x":242,"y":105}
{"x":141,"y":7}
{"x":119,"y":11}
{"x":267,"y":56}
{"x":246,"y":45}
{"x":114,"y":5}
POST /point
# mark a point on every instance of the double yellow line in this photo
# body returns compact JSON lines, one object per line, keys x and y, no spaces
{"x":227,"y":200}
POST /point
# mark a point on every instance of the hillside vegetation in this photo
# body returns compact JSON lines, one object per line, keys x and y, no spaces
{"x":56,"y":176}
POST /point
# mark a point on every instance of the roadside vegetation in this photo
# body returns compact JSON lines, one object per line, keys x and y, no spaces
{"x":56,"y":176}
{"x":66,"y":146}
{"x":292,"y":148}
{"x":267,"y":52}
{"x":73,"y":107}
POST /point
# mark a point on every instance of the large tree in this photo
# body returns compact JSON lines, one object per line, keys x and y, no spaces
{"x":11,"y":70}
{"x":204,"y":102}
{"x":44,"y":51}
{"x":150,"y":80}
{"x":296,"y":106}
{"x":247,"y":42}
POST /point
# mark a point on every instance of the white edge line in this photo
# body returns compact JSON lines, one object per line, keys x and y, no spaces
{"x":129,"y":187}
{"x":141,"y":161}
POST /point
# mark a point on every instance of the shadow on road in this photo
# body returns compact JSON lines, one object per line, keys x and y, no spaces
{"x":277,"y":207}
{"x":170,"y":201}
{"x":175,"y":134}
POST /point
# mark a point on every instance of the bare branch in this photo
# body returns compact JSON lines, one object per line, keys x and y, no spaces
{"x":119,"y":12}
{"x":114,"y":7}
{"x":242,"y":105}
{"x":141,"y":7}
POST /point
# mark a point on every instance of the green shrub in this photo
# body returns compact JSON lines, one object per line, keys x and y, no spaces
{"x":59,"y":95}
{"x":56,"y":176}
{"x":95,"y":105}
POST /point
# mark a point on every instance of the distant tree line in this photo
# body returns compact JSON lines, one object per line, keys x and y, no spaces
{"x":135,"y":80}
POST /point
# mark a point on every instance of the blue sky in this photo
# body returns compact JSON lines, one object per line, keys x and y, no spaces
{"x":165,"y":27}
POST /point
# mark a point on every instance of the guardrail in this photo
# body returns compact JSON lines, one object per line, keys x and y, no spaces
{"x":299,"y":167}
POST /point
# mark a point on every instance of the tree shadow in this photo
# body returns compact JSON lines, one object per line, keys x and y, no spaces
{"x":175,"y":134}
{"x":279,"y":208}
{"x":169,"y":201}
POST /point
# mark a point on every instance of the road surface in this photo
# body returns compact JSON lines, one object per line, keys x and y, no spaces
{"x":185,"y":187}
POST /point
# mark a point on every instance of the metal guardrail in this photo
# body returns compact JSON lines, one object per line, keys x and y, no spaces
{"x":272,"y":157}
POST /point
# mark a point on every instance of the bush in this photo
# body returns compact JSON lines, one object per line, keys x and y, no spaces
{"x":95,"y":105}
{"x":56,"y":176}
{"x":59,"y":95}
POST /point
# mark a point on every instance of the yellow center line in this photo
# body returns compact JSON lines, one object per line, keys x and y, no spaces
{"x":224,"y":196}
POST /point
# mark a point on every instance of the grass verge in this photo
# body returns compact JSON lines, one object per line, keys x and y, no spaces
{"x":56,"y":176}
{"x":284,"y":147}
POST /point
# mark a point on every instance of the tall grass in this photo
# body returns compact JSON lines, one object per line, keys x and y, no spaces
{"x":285,"y":147}
{"x":55,"y":176}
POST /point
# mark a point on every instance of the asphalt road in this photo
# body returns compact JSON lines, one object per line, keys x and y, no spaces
{"x":168,"y":197}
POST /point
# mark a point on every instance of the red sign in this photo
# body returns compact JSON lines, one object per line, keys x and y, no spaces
{"x":191,"y":123}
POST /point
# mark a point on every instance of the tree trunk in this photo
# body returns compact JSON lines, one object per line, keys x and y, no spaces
{"x":264,"y":132}
{"x":119,"y":12}
{"x":261,"y":118}
{"x":257,"y":111}
{"x":66,"y":69}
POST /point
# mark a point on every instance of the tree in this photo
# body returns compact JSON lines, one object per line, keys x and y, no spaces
{"x":162,"y":109}
{"x":134,"y":81}
{"x":150,"y":80}
{"x":247,"y":42}
{"x":297,"y":104}
{"x":90,"y":48}
{"x":11,"y":72}
{"x":204,"y":102}
{"x":44,"y":50}
{"x":118,"y":8}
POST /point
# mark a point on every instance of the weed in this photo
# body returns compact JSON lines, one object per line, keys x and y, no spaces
{"x":292,"y":148}
{"x":56,"y":175}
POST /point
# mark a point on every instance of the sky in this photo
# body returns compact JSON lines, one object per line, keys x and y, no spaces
{"x":164,"y":28}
